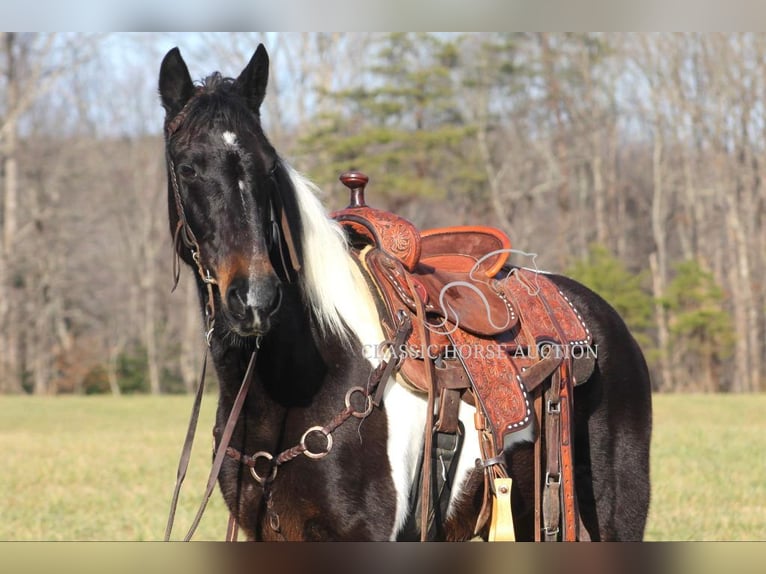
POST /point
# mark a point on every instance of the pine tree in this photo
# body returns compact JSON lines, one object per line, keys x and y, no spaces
{"x":602,"y":272}
{"x":701,"y":329}
{"x":401,"y":125}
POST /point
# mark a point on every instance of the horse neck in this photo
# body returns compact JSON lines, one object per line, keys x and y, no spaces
{"x":290,"y":364}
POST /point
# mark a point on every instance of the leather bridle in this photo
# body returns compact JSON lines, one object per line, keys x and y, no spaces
{"x":283,"y":253}
{"x":282,"y":248}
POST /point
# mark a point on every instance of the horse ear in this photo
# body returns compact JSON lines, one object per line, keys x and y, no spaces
{"x":176,"y":86}
{"x":253,"y":79}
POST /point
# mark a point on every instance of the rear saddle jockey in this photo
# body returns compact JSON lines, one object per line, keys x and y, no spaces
{"x":482,"y":331}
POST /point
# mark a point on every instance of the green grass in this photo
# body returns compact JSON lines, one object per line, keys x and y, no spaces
{"x":708,"y":468}
{"x":103,"y":468}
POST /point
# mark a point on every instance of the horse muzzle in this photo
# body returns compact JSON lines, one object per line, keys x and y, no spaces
{"x":250,"y":305}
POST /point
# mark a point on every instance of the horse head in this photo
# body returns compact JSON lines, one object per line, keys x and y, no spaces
{"x":229,"y":210}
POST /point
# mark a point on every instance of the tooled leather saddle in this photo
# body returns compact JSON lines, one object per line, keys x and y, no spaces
{"x":485,"y":332}
{"x":496,"y":331}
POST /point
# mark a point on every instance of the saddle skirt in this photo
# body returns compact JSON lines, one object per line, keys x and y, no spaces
{"x":494,"y":331}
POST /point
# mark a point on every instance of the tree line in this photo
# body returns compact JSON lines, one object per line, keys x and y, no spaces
{"x":632,"y":162}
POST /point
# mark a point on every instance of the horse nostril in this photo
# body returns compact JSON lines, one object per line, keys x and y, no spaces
{"x":251,"y":303}
{"x":236,"y":298}
{"x":274,"y":299}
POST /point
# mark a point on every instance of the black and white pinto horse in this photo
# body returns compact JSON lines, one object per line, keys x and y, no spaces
{"x":312,"y":327}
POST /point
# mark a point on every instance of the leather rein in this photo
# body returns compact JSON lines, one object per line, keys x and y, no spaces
{"x":280,"y":237}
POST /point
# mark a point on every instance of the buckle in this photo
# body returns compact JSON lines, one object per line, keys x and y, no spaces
{"x":552,"y":479}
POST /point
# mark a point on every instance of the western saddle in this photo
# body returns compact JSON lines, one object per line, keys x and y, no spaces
{"x":491,"y":334}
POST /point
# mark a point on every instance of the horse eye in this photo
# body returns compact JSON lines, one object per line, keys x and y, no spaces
{"x":187,"y":171}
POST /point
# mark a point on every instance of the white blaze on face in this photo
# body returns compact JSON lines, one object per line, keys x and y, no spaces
{"x":252,"y":297}
{"x":230,"y":139}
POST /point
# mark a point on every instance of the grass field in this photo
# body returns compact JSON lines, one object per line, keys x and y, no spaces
{"x":103,"y":468}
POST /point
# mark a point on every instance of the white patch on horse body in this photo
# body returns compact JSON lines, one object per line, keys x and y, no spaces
{"x":241,"y":185}
{"x":230,"y":139}
{"x":406,"y":414}
{"x":468,"y":455}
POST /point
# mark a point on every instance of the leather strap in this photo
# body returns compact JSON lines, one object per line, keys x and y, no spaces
{"x":452,"y":382}
{"x":447,"y":449}
{"x":538,"y":401}
{"x":494,"y":468}
{"x":423,"y":332}
{"x":532,"y":378}
{"x":400,"y":337}
{"x":480,"y":423}
{"x":561,"y":387}
{"x":501,"y":528}
{"x":183,"y":462}
{"x":552,"y":479}
{"x":220,"y":453}
{"x":559,"y":502}
{"x":449,"y":411}
{"x":541,"y":370}
{"x":569,"y":501}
